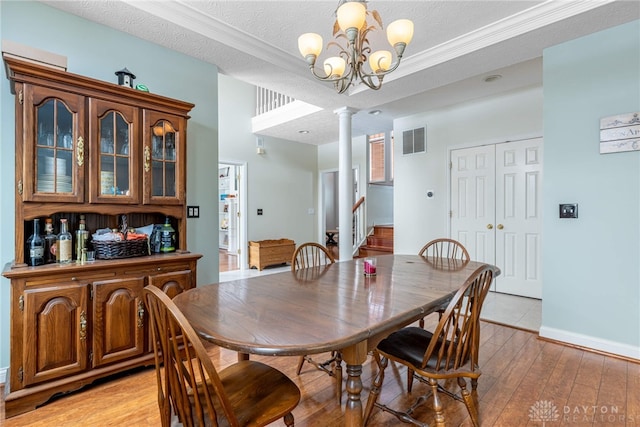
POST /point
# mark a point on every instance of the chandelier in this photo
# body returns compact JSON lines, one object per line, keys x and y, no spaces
{"x":352,"y":27}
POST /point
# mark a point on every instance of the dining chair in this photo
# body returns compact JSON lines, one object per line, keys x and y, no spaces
{"x":443,"y":252}
{"x":247,"y":393}
{"x":310,"y":254}
{"x":444,"y":248}
{"x":450,"y":351}
{"x":309,"y":257}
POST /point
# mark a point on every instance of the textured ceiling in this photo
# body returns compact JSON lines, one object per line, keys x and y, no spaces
{"x":455,"y":46}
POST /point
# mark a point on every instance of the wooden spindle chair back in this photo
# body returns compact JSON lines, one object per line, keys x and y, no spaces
{"x":310,"y":254}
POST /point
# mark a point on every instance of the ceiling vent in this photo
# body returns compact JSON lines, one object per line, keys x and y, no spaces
{"x":414,"y":141}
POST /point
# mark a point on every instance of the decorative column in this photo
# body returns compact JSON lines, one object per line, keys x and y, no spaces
{"x":345,"y":184}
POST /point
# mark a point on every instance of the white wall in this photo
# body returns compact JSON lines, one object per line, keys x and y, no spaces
{"x":282,"y":182}
{"x":417,"y":219}
{"x":591,"y":291}
{"x":379,"y":205}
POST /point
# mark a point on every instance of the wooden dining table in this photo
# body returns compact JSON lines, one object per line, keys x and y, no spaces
{"x":320,"y":309}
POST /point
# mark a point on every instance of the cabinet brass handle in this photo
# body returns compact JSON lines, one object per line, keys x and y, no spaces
{"x":83,"y":326}
{"x":490,"y":226}
{"x":500,"y":226}
{"x":80,"y":151}
{"x":140,"y":314}
{"x":147,"y":158}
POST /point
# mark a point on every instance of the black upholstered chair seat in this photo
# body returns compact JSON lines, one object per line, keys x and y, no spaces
{"x":410,"y":344}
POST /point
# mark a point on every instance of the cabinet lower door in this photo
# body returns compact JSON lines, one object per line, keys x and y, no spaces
{"x":119,"y":318}
{"x":172,"y":283}
{"x":55,"y":332}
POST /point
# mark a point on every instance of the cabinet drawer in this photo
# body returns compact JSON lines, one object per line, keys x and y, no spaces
{"x":156,"y":269}
{"x":80,"y":278}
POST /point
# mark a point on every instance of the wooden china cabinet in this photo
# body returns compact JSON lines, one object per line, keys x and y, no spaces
{"x":92,"y":148}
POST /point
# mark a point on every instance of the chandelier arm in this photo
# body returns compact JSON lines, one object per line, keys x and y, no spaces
{"x":367,"y":79}
{"x":325,"y":78}
{"x":382,"y":73}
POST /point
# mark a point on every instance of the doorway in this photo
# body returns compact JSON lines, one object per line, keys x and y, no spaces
{"x":231,"y":207}
{"x":496,"y":210}
{"x":329,"y":205}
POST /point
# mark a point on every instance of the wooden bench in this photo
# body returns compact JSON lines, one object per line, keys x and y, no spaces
{"x":264,"y":253}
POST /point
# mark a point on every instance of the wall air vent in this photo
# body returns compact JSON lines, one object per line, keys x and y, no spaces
{"x":414,"y":141}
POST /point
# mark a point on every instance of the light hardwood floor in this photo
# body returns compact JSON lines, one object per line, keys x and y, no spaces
{"x":520,"y":372}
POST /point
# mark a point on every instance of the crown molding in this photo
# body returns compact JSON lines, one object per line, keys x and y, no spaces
{"x":534,"y":18}
{"x":552,"y":11}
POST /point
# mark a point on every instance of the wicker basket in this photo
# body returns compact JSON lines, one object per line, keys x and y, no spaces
{"x":121,"y":249}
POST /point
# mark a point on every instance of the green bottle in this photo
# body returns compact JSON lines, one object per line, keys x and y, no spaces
{"x":167,"y":237}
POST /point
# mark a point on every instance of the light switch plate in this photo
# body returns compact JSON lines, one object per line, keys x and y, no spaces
{"x":568,"y":210}
{"x":193,"y":211}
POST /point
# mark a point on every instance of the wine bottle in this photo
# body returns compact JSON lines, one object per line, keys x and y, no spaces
{"x":82,"y":235}
{"x":35,"y":246}
{"x":65,"y":243}
{"x":167,"y":237}
{"x":50,"y":241}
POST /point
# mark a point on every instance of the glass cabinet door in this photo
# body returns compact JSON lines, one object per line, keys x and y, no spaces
{"x":57,"y":147}
{"x":163,"y":174}
{"x":112,"y":135}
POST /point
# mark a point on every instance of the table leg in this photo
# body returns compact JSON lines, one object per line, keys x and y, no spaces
{"x":354,"y":357}
{"x":353,"y":410}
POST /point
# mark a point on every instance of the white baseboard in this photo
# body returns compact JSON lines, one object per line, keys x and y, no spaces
{"x":3,"y":375}
{"x":607,"y":346}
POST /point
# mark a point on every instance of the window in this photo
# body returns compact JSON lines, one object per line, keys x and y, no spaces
{"x":380,"y":158}
{"x":376,"y":157}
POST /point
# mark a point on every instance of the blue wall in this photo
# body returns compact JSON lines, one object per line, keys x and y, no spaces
{"x":591,"y":293}
{"x":97,"y":51}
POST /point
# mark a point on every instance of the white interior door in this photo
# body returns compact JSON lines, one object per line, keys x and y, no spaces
{"x":496,"y":212}
{"x":518,"y":217}
{"x":473,"y":201}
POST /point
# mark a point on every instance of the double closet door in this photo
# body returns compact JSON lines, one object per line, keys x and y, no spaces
{"x":496,"y":210}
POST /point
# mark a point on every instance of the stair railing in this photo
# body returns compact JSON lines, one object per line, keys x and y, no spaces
{"x":268,"y":100}
{"x":359,"y":224}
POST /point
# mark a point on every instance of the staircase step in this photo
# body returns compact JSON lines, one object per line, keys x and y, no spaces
{"x":383,"y":231}
{"x":380,"y":241}
{"x":367,"y":250}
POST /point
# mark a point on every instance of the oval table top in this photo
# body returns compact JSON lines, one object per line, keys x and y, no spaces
{"x":322,"y":309}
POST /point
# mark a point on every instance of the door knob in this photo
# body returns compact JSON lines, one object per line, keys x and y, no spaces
{"x":500,"y":226}
{"x":490,"y":226}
